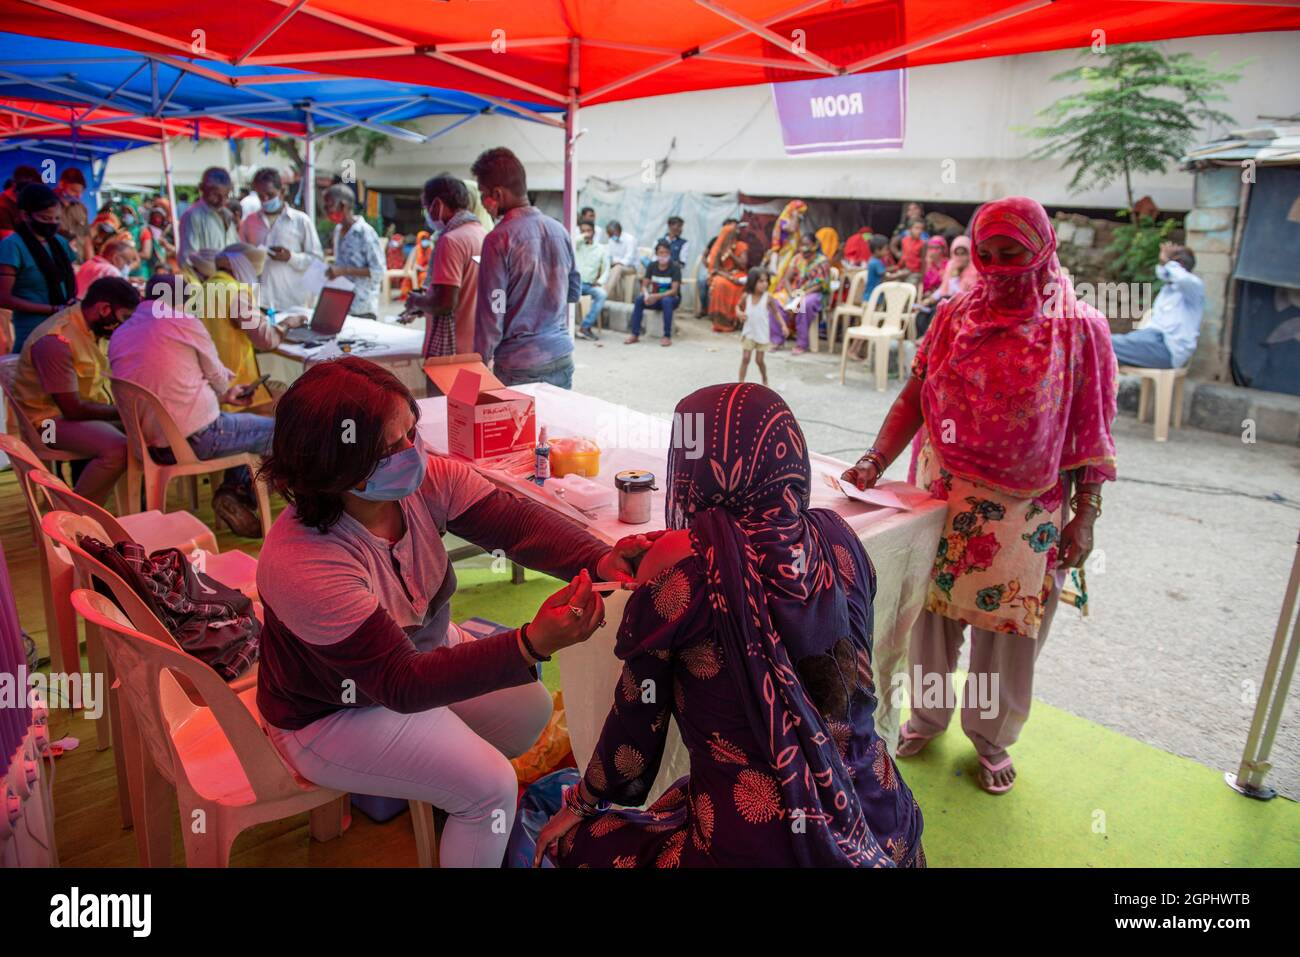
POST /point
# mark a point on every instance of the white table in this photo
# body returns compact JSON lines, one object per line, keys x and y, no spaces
{"x":398,"y":348}
{"x":901,"y":545}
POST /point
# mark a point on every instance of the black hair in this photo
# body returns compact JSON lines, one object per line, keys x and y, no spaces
{"x":498,"y":168}
{"x":877,"y":242}
{"x":35,"y":197}
{"x":329,"y":435}
{"x":453,"y":193}
{"x":216,"y":176}
{"x":1185,"y":258}
{"x":676,"y":219}
{"x":613,"y":224}
{"x":114,"y":290}
{"x":590,"y":225}
{"x":24,"y":175}
{"x":587,"y":209}
{"x":269,"y":175}
{"x":752,"y":277}
{"x":73,"y":175}
{"x":663,"y":245}
{"x":812,"y":238}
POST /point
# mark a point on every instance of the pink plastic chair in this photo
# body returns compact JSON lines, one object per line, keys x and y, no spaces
{"x":153,"y":530}
{"x":61,"y":529}
{"x":224,"y":770}
{"x":136,"y":403}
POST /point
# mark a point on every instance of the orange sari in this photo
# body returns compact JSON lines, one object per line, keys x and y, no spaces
{"x":728,"y":266}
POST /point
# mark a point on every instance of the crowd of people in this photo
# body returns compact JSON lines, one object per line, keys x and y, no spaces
{"x":752,"y":611}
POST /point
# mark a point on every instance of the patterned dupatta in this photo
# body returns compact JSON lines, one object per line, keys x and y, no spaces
{"x":771,"y":573}
{"x":1019,"y":370}
{"x":785,"y":237}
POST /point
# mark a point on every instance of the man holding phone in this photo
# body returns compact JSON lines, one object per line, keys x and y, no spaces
{"x":172,"y":355}
{"x":289,"y":238}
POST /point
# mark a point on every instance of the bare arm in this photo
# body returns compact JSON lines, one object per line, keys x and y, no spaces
{"x":900,"y":425}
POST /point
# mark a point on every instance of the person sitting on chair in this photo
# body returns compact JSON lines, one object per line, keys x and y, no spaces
{"x":171,"y":353}
{"x":61,"y":384}
{"x":1168,"y":340}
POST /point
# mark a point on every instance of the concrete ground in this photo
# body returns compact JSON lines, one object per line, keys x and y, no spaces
{"x":1198,"y":538}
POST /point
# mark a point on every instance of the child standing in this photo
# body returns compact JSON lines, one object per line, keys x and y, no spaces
{"x":752,"y":309}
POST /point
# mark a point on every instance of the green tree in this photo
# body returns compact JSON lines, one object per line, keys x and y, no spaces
{"x":366,"y":145}
{"x":1138,"y":111}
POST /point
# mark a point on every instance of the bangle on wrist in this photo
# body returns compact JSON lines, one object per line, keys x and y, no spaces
{"x":576,"y":804}
{"x":1082,"y":500}
{"x":874,"y":456}
{"x":528,"y":645}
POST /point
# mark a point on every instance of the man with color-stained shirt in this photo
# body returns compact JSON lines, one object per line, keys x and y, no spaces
{"x":1168,"y":339}
{"x":527,"y":278}
{"x":450,"y":302}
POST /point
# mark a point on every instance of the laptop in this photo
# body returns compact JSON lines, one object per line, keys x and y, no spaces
{"x":326,"y":321}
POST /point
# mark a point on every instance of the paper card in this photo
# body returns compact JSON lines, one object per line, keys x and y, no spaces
{"x":881,"y":497}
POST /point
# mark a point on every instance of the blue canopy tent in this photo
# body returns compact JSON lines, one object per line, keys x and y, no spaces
{"x":184,"y":95}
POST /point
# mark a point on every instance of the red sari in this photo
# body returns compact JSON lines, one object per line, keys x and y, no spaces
{"x":728,"y":267}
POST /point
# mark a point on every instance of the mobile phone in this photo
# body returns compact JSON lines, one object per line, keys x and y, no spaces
{"x":252,"y":387}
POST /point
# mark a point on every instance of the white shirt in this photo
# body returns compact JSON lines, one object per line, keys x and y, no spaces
{"x":250,"y":204}
{"x":202,"y":227}
{"x":1178,"y":310}
{"x":622,"y":250}
{"x":757,"y":325}
{"x":282,"y":281}
{"x":171,"y":355}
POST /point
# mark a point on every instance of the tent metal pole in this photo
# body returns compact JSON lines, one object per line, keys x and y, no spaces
{"x":309,"y":171}
{"x":570,"y":160}
{"x":1249,"y":779}
{"x":171,"y":190}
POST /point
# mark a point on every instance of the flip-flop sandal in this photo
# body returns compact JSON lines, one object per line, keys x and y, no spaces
{"x":906,"y":737}
{"x":988,"y":769}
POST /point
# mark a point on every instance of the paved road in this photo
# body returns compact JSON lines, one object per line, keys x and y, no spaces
{"x":1197,"y":553}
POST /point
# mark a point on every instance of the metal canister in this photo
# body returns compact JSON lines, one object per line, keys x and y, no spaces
{"x":634,"y":498}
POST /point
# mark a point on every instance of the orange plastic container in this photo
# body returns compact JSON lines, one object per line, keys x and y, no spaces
{"x":574,"y":455}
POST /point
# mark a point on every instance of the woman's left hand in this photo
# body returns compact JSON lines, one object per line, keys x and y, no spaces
{"x":1076,"y":541}
{"x":619,"y":564}
{"x":561,"y":824}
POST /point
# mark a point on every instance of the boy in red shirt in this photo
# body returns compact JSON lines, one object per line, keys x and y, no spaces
{"x":909,"y":250}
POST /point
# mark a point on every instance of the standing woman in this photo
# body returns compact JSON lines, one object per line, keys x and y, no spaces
{"x":36,"y":277}
{"x":1014,"y":390}
{"x":728,"y":269}
{"x":358,"y":255}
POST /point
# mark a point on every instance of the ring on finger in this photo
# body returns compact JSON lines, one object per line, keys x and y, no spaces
{"x":576,"y":611}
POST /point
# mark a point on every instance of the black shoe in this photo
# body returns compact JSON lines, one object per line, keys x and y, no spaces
{"x":242,"y":519}
{"x":588,"y":334}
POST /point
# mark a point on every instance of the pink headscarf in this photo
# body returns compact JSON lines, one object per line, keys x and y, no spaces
{"x":967,"y":278}
{"x":1020,"y":377}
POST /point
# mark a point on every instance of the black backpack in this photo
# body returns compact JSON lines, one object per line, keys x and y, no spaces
{"x":213,"y":623}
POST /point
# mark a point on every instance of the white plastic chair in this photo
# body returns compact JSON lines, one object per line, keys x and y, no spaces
{"x":848,"y":311}
{"x":1167,"y":385}
{"x":879,"y":329}
{"x":135,"y":403}
{"x":215,"y":756}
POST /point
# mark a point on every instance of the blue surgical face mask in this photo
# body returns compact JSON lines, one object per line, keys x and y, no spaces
{"x":273,"y":205}
{"x":432,"y":223}
{"x":396,"y":476}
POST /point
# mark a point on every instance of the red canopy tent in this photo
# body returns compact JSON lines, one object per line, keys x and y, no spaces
{"x":40,"y":119}
{"x":583,"y":52}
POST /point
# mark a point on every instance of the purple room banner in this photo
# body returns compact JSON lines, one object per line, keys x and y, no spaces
{"x":841,"y":114}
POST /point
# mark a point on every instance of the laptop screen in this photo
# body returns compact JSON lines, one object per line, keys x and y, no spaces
{"x":331,"y":309}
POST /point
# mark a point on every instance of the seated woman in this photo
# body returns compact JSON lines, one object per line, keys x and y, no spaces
{"x":728,"y":269}
{"x":365,"y":682}
{"x":228,"y":306}
{"x":753,"y":632}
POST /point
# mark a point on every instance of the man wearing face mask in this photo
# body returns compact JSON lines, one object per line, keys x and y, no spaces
{"x":527,"y":277}
{"x":61,"y":384}
{"x":289,"y":238}
{"x":450,"y":299}
{"x":207,"y":224}
{"x":117,"y":257}
{"x":74,"y":218}
{"x":36,"y":277}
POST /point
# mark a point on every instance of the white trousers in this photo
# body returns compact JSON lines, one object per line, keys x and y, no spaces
{"x":455,"y":758}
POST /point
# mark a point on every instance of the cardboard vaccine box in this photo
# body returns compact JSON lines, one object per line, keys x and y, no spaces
{"x":487,"y":423}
